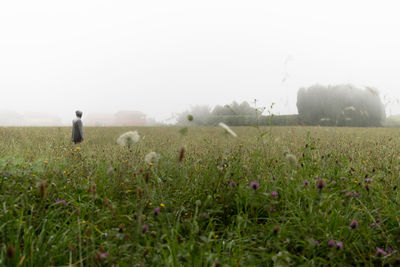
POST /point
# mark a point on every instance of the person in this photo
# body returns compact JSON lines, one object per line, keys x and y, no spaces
{"x":77,"y":128}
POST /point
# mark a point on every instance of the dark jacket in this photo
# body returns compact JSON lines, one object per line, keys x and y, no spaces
{"x":77,"y":130}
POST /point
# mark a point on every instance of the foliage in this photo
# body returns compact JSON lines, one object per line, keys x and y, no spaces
{"x":342,"y":105}
{"x":102,"y":204}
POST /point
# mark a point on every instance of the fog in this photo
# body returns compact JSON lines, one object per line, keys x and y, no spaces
{"x":162,"y":57}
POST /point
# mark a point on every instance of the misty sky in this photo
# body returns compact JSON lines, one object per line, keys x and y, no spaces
{"x":161,"y":57}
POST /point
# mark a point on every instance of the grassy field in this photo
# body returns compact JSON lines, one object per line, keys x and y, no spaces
{"x":273,"y":196}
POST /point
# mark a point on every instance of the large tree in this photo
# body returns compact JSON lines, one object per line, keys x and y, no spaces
{"x":341,"y":105}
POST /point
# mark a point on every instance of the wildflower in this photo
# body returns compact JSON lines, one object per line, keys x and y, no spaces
{"x":274,"y":193}
{"x":291,"y":159}
{"x":128,"y":138}
{"x":368,"y":180}
{"x":380,"y":252}
{"x":232,"y":183}
{"x":343,"y":178}
{"x":63,"y":202}
{"x":145,"y":228}
{"x":339,"y":245}
{"x":157,"y":211}
{"x":316,"y":243}
{"x":271,"y":209}
{"x":229,"y":130}
{"x":254,"y":185}
{"x":151,"y":158}
{"x":162,"y":205}
{"x":306,"y":183}
{"x":332,"y":243}
{"x":356,"y":194}
{"x":104,"y":255}
{"x":320,"y":184}
{"x":353,"y":224}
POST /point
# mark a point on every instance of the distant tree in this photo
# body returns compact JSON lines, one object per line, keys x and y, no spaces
{"x":244,"y":109}
{"x":341,"y":105}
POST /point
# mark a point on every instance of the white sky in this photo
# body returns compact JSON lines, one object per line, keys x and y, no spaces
{"x":161,"y":57}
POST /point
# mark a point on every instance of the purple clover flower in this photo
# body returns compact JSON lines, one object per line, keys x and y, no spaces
{"x":156,"y":211}
{"x":355,"y":194}
{"x":353,"y":224}
{"x":145,"y":228}
{"x":316,"y":243}
{"x":63,"y":202}
{"x":320,"y":184}
{"x":332,"y":243}
{"x":274,"y":193}
{"x":232,"y":183}
{"x":339,"y":245}
{"x":104,"y":255}
{"x":368,"y":180}
{"x":306,"y":183}
{"x":343,"y":178}
{"x":255,"y":185}
{"x":380,"y":252}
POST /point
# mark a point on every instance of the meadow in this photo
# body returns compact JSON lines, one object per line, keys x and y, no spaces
{"x":283,"y":196}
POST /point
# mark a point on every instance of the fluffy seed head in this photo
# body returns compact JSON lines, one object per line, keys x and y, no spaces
{"x":291,"y":159}
{"x":229,"y":130}
{"x":152,"y":157}
{"x":128,"y":138}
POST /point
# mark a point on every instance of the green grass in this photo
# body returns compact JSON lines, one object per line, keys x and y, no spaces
{"x":111,"y":193}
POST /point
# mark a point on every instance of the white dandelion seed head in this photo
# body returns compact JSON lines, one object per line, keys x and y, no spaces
{"x":291,"y":159}
{"x":152,"y":157}
{"x":229,"y":130}
{"x":128,"y":138}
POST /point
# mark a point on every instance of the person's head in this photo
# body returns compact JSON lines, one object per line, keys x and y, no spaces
{"x":78,"y":113}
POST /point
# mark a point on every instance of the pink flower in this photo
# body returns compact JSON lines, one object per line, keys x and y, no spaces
{"x":380,"y":252}
{"x":104,"y":255}
{"x":254,"y":185}
{"x":157,"y":211}
{"x":353,"y":224}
